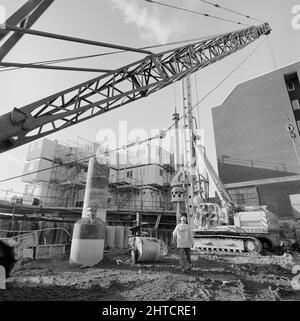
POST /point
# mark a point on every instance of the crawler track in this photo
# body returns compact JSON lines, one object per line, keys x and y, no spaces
{"x":239,"y":244}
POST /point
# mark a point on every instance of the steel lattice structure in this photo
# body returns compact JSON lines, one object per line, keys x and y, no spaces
{"x":119,"y":87}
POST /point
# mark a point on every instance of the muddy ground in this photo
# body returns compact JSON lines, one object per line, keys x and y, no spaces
{"x":214,"y":278}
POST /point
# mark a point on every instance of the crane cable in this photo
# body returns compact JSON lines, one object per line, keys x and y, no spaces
{"x":147,"y":140}
{"x":229,"y":10}
{"x":199,"y":13}
{"x":49,"y":62}
{"x":220,"y":83}
{"x":148,"y":47}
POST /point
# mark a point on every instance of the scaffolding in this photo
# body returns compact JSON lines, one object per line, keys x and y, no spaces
{"x":67,"y":181}
{"x":129,"y":193}
{"x":132,"y":187}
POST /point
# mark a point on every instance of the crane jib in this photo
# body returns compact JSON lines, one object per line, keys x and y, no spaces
{"x":119,"y":87}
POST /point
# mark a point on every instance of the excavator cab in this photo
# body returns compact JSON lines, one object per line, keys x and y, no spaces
{"x":207,"y":215}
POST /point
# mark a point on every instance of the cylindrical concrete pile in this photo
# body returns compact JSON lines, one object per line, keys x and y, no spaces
{"x":87,"y":242}
{"x":96,"y":192}
{"x":147,"y":249}
{"x":89,"y":232}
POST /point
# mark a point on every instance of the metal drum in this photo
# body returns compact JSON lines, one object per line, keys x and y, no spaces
{"x":148,"y":249}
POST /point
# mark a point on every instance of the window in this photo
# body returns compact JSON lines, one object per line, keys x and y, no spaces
{"x":295,"y":104}
{"x":129,"y":174}
{"x":290,"y":85}
{"x":161,"y":172}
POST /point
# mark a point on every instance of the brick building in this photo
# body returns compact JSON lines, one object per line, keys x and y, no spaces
{"x":257,"y":141}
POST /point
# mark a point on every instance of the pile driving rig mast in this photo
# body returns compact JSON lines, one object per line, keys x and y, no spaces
{"x":196,"y":184}
{"x":191,"y":179}
{"x":228,"y":227}
{"x":189,"y":149}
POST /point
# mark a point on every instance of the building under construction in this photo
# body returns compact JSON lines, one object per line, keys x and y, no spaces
{"x":55,"y":176}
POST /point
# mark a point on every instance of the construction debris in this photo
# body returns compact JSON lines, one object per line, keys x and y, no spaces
{"x":115,"y":278}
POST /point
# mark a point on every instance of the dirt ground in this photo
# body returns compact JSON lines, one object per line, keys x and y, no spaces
{"x":214,"y":278}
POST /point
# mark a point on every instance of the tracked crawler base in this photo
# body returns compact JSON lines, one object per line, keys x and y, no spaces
{"x":228,"y":240}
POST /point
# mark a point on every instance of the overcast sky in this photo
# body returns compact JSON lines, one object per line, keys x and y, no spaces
{"x":137,"y":23}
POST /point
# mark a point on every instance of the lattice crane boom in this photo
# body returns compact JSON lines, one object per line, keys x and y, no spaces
{"x":118,"y":87}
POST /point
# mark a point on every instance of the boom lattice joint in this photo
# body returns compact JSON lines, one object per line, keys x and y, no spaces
{"x":119,"y":87}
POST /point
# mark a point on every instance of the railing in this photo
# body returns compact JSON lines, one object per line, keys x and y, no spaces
{"x":138,"y":205}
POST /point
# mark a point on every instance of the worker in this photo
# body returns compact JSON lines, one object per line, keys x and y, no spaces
{"x":91,"y":216}
{"x":204,"y":215}
{"x":184,"y":239}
